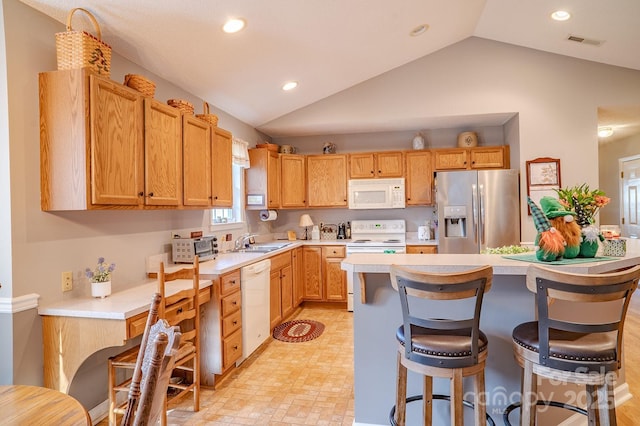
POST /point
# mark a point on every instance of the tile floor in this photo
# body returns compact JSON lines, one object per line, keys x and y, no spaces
{"x":309,"y":383}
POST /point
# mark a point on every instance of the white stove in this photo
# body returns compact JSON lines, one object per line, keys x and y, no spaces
{"x":377,"y":236}
{"x":374,"y":236}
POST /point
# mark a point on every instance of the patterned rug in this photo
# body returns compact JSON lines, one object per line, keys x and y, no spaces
{"x":298,"y":331}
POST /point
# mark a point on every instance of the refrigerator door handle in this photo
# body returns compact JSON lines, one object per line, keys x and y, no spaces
{"x":481,"y":217}
{"x":474,"y":212}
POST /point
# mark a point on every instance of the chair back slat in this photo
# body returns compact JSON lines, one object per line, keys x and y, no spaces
{"x":551,"y":285}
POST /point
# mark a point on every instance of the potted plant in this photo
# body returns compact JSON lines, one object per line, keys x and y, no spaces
{"x":586,"y":203}
{"x":100,"y":278}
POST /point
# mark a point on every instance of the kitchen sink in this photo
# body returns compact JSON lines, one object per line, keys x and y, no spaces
{"x":262,"y":248}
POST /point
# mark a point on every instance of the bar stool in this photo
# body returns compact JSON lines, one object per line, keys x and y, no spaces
{"x":435,"y":347}
{"x":573,"y":350}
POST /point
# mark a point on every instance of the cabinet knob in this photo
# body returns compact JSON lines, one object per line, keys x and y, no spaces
{"x":379,"y":171}
{"x":151,"y":194}
{"x":235,"y":348}
{"x":235,"y":322}
{"x":215,"y":198}
{"x":234,"y":303}
{"x":140,"y":194}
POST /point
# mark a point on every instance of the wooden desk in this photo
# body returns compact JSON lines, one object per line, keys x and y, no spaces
{"x":74,"y":329}
{"x":33,"y":405}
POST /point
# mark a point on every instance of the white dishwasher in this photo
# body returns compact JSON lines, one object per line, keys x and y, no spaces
{"x":254,"y":280}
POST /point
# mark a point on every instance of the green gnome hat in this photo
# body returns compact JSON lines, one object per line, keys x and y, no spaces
{"x":539,"y":219}
{"x":552,"y":208}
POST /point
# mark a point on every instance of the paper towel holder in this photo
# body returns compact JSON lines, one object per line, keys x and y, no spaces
{"x":305,"y":222}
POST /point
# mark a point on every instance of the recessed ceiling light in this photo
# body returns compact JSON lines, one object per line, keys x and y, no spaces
{"x":605,"y":132}
{"x":233,"y":25}
{"x":289,"y":85}
{"x":560,"y":15}
{"x":420,"y":29}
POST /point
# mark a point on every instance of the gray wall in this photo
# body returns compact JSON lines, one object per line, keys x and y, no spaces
{"x":609,"y":154}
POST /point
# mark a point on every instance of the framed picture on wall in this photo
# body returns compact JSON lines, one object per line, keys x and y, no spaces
{"x":543,"y":178}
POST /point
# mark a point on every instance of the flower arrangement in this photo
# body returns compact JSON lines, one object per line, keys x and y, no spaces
{"x":584,"y":201}
{"x":102,"y":273}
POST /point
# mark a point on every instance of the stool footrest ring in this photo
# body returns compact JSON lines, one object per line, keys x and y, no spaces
{"x":557,"y":404}
{"x":392,"y":420}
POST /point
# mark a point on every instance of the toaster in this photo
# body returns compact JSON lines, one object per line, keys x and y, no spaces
{"x":185,"y":250}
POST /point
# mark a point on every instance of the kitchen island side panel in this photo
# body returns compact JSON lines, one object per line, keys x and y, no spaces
{"x":507,"y":304}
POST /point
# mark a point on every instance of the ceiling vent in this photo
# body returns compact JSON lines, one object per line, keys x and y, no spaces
{"x":583,"y":40}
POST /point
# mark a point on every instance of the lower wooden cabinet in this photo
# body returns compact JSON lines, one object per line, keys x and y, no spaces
{"x":422,"y":249}
{"x":221,"y":327}
{"x":281,"y":289}
{"x":297,"y":269}
{"x":324,"y":280}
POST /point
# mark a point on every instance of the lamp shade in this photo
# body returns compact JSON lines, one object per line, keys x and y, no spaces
{"x":305,"y":220}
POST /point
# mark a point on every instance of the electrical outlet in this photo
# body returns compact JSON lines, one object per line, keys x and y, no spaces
{"x":67,"y":281}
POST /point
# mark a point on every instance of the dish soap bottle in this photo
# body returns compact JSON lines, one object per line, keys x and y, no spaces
{"x":315,"y":232}
{"x":348,"y":231}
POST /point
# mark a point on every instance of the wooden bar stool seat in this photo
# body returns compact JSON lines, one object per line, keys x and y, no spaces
{"x":574,"y":348}
{"x":451,"y":348}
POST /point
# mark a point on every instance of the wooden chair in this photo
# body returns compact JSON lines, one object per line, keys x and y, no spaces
{"x":155,"y":362}
{"x":180,"y":307}
{"x":562,"y":347}
{"x":441,"y":347}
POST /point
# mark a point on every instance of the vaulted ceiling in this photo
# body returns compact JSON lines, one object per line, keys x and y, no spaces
{"x":330,"y":45}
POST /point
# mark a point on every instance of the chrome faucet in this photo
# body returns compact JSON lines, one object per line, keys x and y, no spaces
{"x":241,"y":241}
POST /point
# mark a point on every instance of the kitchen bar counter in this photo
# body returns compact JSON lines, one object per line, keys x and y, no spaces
{"x":508,"y":303}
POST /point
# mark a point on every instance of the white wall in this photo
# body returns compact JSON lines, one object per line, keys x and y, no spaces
{"x":556,"y":98}
{"x":609,"y":154}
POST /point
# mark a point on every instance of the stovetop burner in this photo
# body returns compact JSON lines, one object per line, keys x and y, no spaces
{"x":391,"y":241}
{"x":360,"y":241}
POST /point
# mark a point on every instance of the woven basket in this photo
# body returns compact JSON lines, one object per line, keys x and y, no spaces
{"x":79,"y":49}
{"x":141,"y":84}
{"x":182,"y":105}
{"x":270,"y":146}
{"x":209,"y":118}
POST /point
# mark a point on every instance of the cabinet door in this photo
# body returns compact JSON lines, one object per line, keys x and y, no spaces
{"x":297,"y":262}
{"x":162,"y":154}
{"x":451,"y":159}
{"x":335,"y":280}
{"x":286,"y":291}
{"x":488,"y":158}
{"x":221,"y":168}
{"x":361,"y":165}
{"x":117,"y":139}
{"x":327,"y":180}
{"x":293,"y":181}
{"x":196,"y":147}
{"x":419,"y":178}
{"x":273,"y":180}
{"x":312,"y":273}
{"x":389,"y":164}
{"x":275,"y":312}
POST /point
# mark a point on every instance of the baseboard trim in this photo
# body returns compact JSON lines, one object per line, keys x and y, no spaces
{"x":622,"y":395}
{"x":14,"y":305}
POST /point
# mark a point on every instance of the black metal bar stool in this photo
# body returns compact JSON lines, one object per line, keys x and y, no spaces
{"x":569,"y":349}
{"x":436,"y":347}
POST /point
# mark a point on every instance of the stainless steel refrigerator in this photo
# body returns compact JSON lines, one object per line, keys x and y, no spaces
{"x":477,"y":210}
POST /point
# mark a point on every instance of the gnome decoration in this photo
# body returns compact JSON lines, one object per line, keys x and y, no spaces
{"x":551,"y":244}
{"x":563,"y":220}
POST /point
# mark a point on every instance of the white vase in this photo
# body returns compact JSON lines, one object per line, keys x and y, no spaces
{"x":101,"y":290}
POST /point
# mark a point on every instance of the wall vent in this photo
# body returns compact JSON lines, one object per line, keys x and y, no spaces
{"x":584,"y":40}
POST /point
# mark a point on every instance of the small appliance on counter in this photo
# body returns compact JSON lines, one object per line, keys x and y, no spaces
{"x":185,"y":250}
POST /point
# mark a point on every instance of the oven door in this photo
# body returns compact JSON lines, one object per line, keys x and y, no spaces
{"x":354,"y":248}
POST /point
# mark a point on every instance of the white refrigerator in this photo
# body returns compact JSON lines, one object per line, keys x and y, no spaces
{"x":477,"y":210}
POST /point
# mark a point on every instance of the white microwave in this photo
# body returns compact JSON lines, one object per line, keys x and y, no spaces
{"x":376,"y":193}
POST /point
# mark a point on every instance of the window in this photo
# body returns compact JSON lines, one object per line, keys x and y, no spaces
{"x":234,"y":217}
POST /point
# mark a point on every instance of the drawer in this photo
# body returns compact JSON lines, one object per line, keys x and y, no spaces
{"x":231,"y":303}
{"x":230,"y":282}
{"x":334,"y":251}
{"x":231,"y":349}
{"x":231,"y":323}
{"x":280,"y":261}
{"x":205,"y":295}
{"x":136,"y":325}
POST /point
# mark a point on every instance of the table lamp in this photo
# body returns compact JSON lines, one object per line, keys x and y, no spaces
{"x":305,"y":222}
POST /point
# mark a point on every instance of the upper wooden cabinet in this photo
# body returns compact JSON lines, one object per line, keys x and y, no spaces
{"x":293,"y":181}
{"x":221,"y":173}
{"x":163,"y":154}
{"x":106,"y":146}
{"x":196,"y":146}
{"x":489,"y":157}
{"x":327,"y":180}
{"x":384,"y":164}
{"x":262,"y":179}
{"x":419,"y":178}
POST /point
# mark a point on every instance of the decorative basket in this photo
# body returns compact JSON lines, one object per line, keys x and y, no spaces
{"x":328,"y":231}
{"x":79,"y":49}
{"x":141,"y":84}
{"x":270,"y":146}
{"x":210,"y":118}
{"x":182,"y":105}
